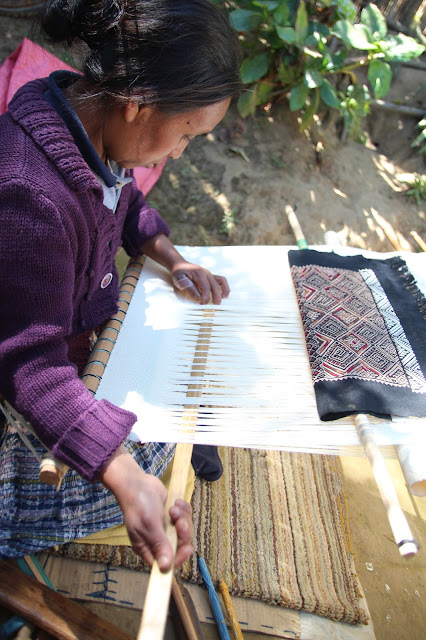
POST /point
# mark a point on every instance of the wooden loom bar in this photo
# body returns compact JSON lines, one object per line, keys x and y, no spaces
{"x":51,"y":611}
{"x":407,"y":545}
{"x":404,"y":539}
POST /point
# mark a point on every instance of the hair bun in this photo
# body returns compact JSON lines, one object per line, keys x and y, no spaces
{"x":98,"y":20}
{"x":93,"y":21}
{"x":55,"y":20}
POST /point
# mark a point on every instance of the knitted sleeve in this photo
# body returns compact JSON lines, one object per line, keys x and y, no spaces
{"x":37,"y":271}
{"x":142,"y":221}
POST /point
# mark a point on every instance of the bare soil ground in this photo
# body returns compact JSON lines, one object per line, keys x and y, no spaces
{"x":232,"y":188}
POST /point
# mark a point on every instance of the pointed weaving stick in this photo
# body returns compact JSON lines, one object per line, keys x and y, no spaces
{"x":157,"y":598}
{"x":156,"y":604}
{"x":404,"y":539}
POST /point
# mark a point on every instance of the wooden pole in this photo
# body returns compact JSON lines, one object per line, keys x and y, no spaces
{"x":419,"y":240}
{"x":49,"y":610}
{"x":186,"y":609}
{"x":157,"y":597}
{"x":295,"y":227}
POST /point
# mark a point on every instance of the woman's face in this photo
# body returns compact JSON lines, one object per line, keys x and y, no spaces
{"x":144,"y":137}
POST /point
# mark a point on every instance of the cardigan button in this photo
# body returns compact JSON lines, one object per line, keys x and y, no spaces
{"x":106,"y":280}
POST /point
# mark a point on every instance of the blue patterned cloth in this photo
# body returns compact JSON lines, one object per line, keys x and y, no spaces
{"x":35,"y":516}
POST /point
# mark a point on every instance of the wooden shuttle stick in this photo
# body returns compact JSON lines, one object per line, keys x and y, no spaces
{"x":158,"y":595}
{"x":404,"y":539}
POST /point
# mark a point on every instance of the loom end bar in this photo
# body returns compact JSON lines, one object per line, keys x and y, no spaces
{"x":413,"y":464}
{"x":52,"y":471}
{"x":398,"y":522}
{"x":408,"y":548}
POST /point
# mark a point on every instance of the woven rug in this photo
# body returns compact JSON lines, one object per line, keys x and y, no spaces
{"x":274,"y":527}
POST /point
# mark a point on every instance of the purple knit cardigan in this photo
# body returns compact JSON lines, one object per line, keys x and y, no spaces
{"x":57,"y":242}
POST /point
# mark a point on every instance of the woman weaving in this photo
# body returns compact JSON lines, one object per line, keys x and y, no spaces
{"x":158,"y":73}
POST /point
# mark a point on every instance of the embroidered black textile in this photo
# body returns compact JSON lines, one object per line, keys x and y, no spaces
{"x":365,"y":328}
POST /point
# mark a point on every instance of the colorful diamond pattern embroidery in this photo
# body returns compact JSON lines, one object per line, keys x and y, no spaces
{"x":345,"y":332}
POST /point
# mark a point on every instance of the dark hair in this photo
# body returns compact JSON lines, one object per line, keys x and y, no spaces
{"x":177,"y":55}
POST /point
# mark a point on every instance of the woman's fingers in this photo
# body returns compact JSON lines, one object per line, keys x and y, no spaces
{"x":184,"y":283}
{"x":223,"y":283}
{"x":183,"y":553}
{"x":201,"y":285}
{"x":181,"y":516}
{"x":150,"y":540}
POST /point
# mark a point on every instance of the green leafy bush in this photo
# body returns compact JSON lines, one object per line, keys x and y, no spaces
{"x":302,"y":48}
{"x":420,"y":141}
{"x":417,"y":190}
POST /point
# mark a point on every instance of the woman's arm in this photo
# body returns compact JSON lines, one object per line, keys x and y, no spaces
{"x":145,"y":230}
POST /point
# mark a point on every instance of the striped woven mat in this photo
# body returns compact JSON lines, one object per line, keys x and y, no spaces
{"x":275,"y":528}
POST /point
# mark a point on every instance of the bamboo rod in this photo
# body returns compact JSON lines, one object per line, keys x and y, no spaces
{"x":388,"y":230}
{"x":404,"y":539}
{"x":295,"y":227}
{"x":419,"y":240}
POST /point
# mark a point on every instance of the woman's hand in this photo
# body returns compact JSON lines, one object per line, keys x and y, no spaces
{"x":199,"y":283}
{"x":196,"y":281}
{"x":142,"y":499}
